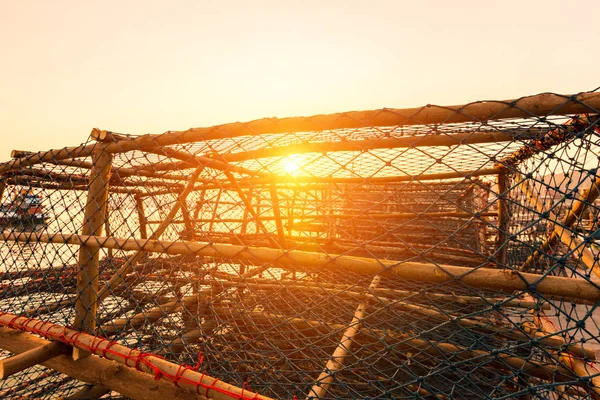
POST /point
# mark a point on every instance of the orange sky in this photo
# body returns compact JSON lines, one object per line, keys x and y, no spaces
{"x":150,"y":66}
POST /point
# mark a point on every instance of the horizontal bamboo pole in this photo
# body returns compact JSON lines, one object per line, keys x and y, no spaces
{"x":48,"y":156}
{"x":496,"y":279}
{"x":366,"y":215}
{"x":201,"y":161}
{"x":118,"y":172}
{"x":28,"y":359}
{"x":186,"y":378}
{"x":538,"y":105}
{"x":308,"y":183}
{"x":98,"y":371}
{"x":152,"y":315}
{"x":351,"y":292}
{"x":47,"y":184}
{"x":453,"y":139}
{"x":298,"y":180}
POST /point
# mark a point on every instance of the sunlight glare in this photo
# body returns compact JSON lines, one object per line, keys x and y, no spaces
{"x":291,"y":167}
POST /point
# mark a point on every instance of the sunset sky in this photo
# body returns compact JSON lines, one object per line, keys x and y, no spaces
{"x":151,"y":66}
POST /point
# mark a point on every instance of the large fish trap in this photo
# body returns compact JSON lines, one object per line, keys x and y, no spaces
{"x":434,"y":252}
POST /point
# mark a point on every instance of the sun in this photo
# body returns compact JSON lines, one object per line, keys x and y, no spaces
{"x":291,"y":167}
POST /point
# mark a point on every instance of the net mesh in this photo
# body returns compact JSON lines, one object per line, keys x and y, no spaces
{"x":336,"y":256}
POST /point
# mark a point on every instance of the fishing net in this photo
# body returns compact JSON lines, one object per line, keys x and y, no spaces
{"x":435,"y":252}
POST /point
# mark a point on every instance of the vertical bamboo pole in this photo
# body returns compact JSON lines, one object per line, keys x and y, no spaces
{"x":199,"y":204}
{"x":277,"y":215}
{"x":139,"y":203}
{"x":94,"y":216}
{"x":2,"y":188}
{"x":108,"y":231}
{"x":244,"y":227}
{"x":215,"y":211}
{"x":503,"y":218}
{"x":187,"y":221}
{"x":291,"y":212}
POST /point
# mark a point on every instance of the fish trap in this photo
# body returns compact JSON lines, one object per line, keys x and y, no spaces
{"x":435,"y":252}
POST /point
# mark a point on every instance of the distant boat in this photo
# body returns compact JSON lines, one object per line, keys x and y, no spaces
{"x":25,"y":208}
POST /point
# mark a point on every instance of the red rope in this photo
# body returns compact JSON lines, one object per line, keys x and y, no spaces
{"x":103,"y":346}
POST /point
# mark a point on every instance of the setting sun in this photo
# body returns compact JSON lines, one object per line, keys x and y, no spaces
{"x":291,"y":167}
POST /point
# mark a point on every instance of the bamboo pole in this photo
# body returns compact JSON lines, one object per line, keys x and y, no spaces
{"x":579,"y":205}
{"x":152,"y":315}
{"x":349,"y":291}
{"x":364,"y":216}
{"x":195,"y":161}
{"x":89,"y":393}
{"x":187,"y":221}
{"x":248,"y":205}
{"x":526,"y":107}
{"x":503,"y":217}
{"x":427,"y":140}
{"x":336,"y":362}
{"x":277,"y":215}
{"x":586,"y":257}
{"x":128,"y":265}
{"x":94,"y":217}
{"x":216,"y":210}
{"x":539,"y":105}
{"x":500,"y":280}
{"x":21,"y":180}
{"x":139,"y":203}
{"x":12,"y":365}
{"x":307,"y":183}
{"x":298,"y":180}
{"x":107,"y":230}
{"x":98,"y":371}
{"x":184,"y":377}
{"x":118,"y":173}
